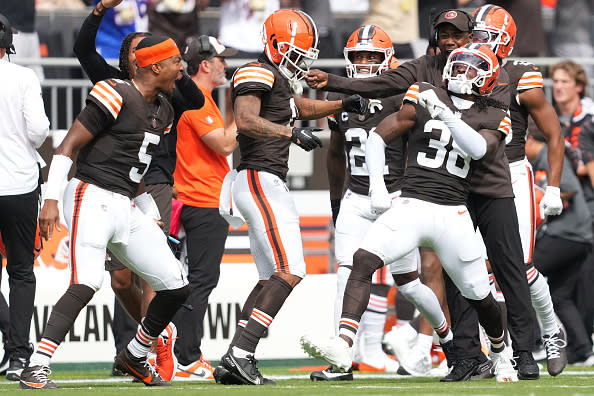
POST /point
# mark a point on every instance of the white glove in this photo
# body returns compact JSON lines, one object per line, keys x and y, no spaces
{"x":375,"y":105}
{"x":429,"y":100}
{"x":551,"y":204}
{"x":380,"y":197}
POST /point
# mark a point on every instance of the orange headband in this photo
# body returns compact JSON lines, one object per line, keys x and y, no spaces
{"x":156,"y":53}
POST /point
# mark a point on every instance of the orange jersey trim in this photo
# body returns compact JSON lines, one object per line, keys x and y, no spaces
{"x":80,"y":191}
{"x":280,"y":256}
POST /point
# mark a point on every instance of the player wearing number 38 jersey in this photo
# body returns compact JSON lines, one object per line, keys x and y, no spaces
{"x":448,"y":133}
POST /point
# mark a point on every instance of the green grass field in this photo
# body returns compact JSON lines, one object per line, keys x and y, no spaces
{"x":89,"y":379}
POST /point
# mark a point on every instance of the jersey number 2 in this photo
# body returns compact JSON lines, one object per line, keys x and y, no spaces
{"x":452,"y":157}
{"x":143,"y":156}
{"x":357,"y":137}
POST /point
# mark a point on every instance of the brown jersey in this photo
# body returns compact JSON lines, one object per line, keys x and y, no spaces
{"x":278,"y":106}
{"x":355,"y":129}
{"x":522,"y":76}
{"x":117,"y":158}
{"x":438,"y":170}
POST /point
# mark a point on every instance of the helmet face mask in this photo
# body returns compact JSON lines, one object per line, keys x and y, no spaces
{"x":295,"y":61}
{"x":290,"y":40}
{"x":368,"y":38}
{"x":492,"y":37}
{"x":495,"y":27}
{"x":471,"y":70}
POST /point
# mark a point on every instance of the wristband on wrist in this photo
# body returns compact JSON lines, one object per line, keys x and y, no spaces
{"x":58,"y":173}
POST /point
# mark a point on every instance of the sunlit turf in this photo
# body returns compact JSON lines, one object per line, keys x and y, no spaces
{"x":89,"y":379}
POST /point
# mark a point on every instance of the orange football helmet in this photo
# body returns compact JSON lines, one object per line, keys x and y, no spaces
{"x":472,"y":69}
{"x":369,"y":38}
{"x":496,"y":27}
{"x":290,"y":40}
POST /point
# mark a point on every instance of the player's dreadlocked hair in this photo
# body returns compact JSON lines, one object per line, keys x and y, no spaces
{"x":125,"y":49}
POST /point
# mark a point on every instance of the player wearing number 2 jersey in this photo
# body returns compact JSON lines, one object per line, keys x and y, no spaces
{"x":443,"y":149}
{"x":368,"y":52}
{"x":115,"y":134}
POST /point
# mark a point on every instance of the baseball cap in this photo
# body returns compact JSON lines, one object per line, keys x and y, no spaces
{"x":458,"y":18}
{"x":205,"y":47}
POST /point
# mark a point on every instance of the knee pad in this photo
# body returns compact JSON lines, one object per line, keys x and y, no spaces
{"x":365,"y":264}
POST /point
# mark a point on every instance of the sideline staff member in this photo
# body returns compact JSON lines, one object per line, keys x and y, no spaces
{"x":23,"y":128}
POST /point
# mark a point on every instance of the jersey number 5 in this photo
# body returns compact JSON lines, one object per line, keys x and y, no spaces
{"x":457,"y":162}
{"x":143,"y":156}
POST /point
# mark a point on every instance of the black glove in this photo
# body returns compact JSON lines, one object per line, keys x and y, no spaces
{"x":304,"y":138}
{"x":335,"y":205}
{"x":355,"y":104}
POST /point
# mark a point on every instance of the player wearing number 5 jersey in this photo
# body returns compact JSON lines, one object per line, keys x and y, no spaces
{"x":443,"y":149}
{"x":114,"y":135}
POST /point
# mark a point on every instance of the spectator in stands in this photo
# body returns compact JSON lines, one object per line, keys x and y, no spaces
{"x":572,"y":32}
{"x":203,"y":144}
{"x":560,"y":250}
{"x":400,"y":19}
{"x":178,"y":19}
{"x":527,"y":14}
{"x":576,"y":112}
{"x":21,"y":14}
{"x":322,"y":14}
{"x":159,"y":177}
{"x":23,"y":129}
{"x":240,"y":26}
{"x":127,"y":17}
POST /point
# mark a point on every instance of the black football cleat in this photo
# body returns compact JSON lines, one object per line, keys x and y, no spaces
{"x":462,"y":370}
{"x":526,"y":366}
{"x":139,"y":368}
{"x":246,"y":369}
{"x":225,"y":377}
{"x":331,"y":374}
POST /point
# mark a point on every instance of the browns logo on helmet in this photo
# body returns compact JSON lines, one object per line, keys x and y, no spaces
{"x":369,"y":38}
{"x":494,"y":26}
{"x":290,"y":40}
{"x":472,"y":69}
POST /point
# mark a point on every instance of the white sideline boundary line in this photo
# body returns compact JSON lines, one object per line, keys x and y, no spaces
{"x":275,"y":377}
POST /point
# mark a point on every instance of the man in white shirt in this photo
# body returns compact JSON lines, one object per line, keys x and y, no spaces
{"x":23,"y":128}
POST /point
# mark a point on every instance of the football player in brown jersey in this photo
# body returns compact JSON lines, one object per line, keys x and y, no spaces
{"x":104,"y":205}
{"x":491,"y":203}
{"x":494,"y":26}
{"x":132,"y":300}
{"x":449,"y":132}
{"x":368,"y":52}
{"x":265,"y":109}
